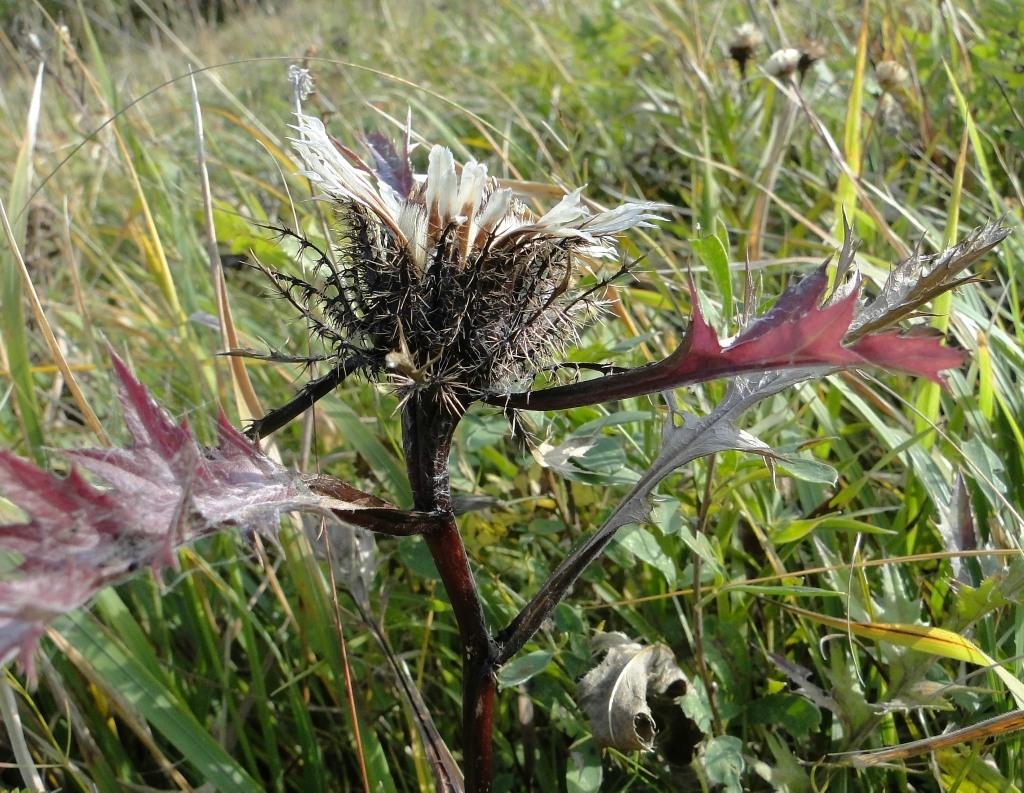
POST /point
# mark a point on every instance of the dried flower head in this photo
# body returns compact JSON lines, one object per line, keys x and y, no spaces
{"x":891,"y":75}
{"x":783,"y":63}
{"x":890,"y":113}
{"x":745,"y":40}
{"x":811,"y":52}
{"x":445,"y":282}
{"x":302,"y":83}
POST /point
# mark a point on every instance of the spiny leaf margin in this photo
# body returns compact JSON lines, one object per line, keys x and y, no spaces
{"x":164,"y":491}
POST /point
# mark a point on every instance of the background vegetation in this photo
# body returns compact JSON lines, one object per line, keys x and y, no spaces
{"x":250,"y":664}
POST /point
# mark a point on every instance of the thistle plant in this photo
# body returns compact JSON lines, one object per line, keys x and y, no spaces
{"x":445,"y":286}
{"x":448,"y":289}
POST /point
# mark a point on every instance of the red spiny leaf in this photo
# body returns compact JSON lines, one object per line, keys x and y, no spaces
{"x":799,"y":331}
{"x":149,"y":425}
{"x":919,"y":355}
{"x":163,"y":491}
{"x":795,"y":332}
{"x":52,"y":504}
{"x":29,"y":603}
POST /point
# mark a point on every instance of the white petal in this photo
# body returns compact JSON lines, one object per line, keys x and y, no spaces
{"x":330,"y":170}
{"x":627,"y":216}
{"x":412,"y":220}
{"x":471,"y":188}
{"x":441,"y":183}
{"x":496,"y":208}
{"x":391,"y":198}
{"x":566,"y":212}
{"x":471,"y":191}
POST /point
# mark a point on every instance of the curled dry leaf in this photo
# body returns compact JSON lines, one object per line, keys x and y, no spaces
{"x":921,"y":278}
{"x":615,"y":693}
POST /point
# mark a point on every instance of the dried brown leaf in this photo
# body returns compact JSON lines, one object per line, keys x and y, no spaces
{"x":615,"y":693}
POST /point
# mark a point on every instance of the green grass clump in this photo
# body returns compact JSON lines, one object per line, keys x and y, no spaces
{"x":249,"y":669}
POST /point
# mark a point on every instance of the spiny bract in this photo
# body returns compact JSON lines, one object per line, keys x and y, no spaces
{"x":446,"y":281}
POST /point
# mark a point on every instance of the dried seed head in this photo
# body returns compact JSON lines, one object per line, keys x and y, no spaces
{"x":891,"y":75}
{"x":446,"y":282}
{"x":745,"y":40}
{"x":811,"y":52}
{"x":302,"y":83}
{"x":783,"y":63}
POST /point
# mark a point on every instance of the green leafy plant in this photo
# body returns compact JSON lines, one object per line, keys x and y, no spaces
{"x":455,"y":292}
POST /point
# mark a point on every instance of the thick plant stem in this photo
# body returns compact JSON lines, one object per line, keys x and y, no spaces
{"x":478,"y":651}
{"x":427,"y":430}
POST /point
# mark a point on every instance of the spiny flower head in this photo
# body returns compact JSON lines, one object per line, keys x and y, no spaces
{"x":446,"y":281}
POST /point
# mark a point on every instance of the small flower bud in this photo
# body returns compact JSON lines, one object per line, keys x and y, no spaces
{"x":35,"y":44}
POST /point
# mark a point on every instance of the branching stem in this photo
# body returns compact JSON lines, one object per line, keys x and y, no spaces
{"x":311,"y":393}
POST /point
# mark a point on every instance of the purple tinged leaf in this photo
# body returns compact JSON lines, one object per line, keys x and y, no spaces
{"x":392,"y":167}
{"x":799,"y":331}
{"x":164,"y":492}
{"x":957,"y":528}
